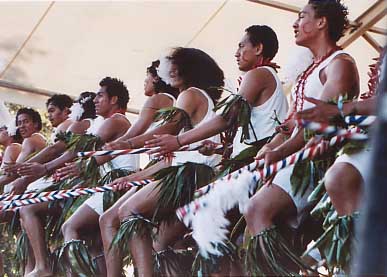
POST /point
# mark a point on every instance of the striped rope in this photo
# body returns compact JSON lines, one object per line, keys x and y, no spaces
{"x":6,"y":197}
{"x":61,"y":194}
{"x":135,"y":151}
{"x":233,"y":175}
{"x":262,"y":173}
{"x":331,"y":130}
{"x":113,"y":152}
{"x":360,"y":120}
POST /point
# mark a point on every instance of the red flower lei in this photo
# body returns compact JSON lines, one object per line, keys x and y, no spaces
{"x":300,"y":86}
{"x":374,"y":75}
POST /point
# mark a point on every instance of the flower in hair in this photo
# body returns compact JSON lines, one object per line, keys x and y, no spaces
{"x":76,"y":111}
{"x":163,"y":70}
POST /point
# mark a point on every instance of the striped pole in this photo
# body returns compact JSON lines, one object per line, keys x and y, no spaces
{"x":135,"y":151}
{"x":330,"y":130}
{"x":265,"y":172}
{"x":360,"y":120}
{"x":61,"y":194}
{"x":233,"y":175}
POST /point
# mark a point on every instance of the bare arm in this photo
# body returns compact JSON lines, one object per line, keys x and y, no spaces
{"x":187,"y":101}
{"x":341,"y":78}
{"x":147,"y":114}
{"x":11,"y":153}
{"x":322,"y":111}
{"x":31,"y":145}
{"x":109,"y":130}
{"x":54,"y":150}
{"x":253,"y":84}
{"x":10,"y":157}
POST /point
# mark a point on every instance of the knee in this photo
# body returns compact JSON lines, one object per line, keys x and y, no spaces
{"x":124,"y":211}
{"x":106,"y":220}
{"x":335,"y":180}
{"x":257,"y":211}
{"x":68,"y":228}
{"x":25,"y":212}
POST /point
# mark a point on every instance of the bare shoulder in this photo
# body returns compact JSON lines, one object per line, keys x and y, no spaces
{"x":158,"y":101}
{"x":64,"y":125}
{"x":190,"y":93}
{"x":118,"y":121}
{"x":12,"y":152}
{"x":342,"y":62}
{"x":13,"y":149}
{"x":36,"y":141}
{"x":36,"y":138}
{"x":258,"y":75}
{"x":190,"y":100}
{"x":79,"y":127}
{"x":118,"y":118}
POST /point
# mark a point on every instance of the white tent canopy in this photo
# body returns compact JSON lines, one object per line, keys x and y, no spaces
{"x":67,"y":47}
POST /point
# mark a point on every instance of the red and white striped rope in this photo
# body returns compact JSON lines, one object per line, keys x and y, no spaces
{"x":261,"y":173}
{"x":135,"y":151}
{"x":60,"y":195}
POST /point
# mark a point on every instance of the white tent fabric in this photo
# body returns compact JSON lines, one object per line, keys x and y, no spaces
{"x":78,"y":43}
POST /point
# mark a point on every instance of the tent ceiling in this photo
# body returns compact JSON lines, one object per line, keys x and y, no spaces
{"x":78,"y":43}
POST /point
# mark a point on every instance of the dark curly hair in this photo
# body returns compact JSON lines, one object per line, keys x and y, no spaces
{"x":88,"y":106}
{"x":61,"y":101}
{"x":198,"y":69}
{"x":160,"y":85}
{"x":115,"y":87}
{"x":17,"y":137}
{"x":265,"y":35}
{"x":335,"y":13}
{"x":35,"y":116}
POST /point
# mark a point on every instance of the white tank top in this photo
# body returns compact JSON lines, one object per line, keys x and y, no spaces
{"x":313,"y":86}
{"x":95,"y":124}
{"x":195,"y":156}
{"x":129,"y":162}
{"x":262,"y":117}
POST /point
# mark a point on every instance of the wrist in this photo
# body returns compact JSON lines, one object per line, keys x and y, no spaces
{"x":178,"y":141}
{"x":131,"y":144}
{"x":349,"y":108}
{"x":45,"y":169}
{"x":340,"y":106}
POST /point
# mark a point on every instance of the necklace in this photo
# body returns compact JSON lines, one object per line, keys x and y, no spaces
{"x":300,"y":86}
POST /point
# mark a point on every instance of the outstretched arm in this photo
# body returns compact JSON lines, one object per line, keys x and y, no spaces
{"x":323,"y":111}
{"x":187,"y":102}
{"x":147,"y":114}
{"x":341,"y":77}
{"x":254,"y":82}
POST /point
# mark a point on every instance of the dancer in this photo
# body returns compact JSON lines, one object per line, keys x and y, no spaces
{"x":29,"y":124}
{"x":197,"y":76}
{"x":344,"y":181}
{"x":249,"y":117}
{"x":319,"y":26}
{"x":160,"y":96}
{"x":110,"y":103}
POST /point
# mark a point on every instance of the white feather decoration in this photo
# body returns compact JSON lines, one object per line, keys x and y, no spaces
{"x":164,"y":69}
{"x":226,"y":194}
{"x":76,"y":111}
{"x":7,"y":120}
